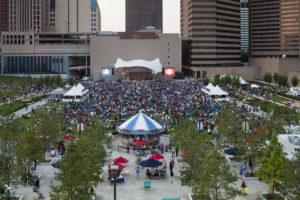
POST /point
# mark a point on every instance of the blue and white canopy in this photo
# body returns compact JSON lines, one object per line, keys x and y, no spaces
{"x":140,"y":124}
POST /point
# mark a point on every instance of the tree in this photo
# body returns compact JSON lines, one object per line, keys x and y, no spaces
{"x":271,"y":163}
{"x":236,"y":81}
{"x":84,"y":158}
{"x":289,"y":185}
{"x":268,"y":78}
{"x":244,"y":56}
{"x":282,"y":80}
{"x":28,"y":150}
{"x":206,"y":171}
{"x":8,"y":168}
{"x":217,"y":79}
{"x":275,"y":77}
{"x":295,"y":81}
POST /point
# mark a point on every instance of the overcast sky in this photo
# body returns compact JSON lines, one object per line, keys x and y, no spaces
{"x":113,"y":15}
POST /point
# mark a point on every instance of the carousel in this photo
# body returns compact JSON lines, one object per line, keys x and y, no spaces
{"x":140,"y":132}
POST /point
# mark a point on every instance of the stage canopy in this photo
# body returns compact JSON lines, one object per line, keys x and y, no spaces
{"x":77,"y":90}
{"x":140,"y":124}
{"x":154,"y":65}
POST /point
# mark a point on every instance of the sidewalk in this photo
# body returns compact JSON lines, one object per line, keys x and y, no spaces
{"x":25,"y":110}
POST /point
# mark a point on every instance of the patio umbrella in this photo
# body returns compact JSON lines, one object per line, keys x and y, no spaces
{"x":231,"y":151}
{"x":120,"y":167}
{"x":186,"y":154}
{"x":139,"y":142}
{"x":120,"y":160}
{"x":150,"y":163}
{"x":17,"y":139}
{"x":69,"y":136}
{"x":156,"y":156}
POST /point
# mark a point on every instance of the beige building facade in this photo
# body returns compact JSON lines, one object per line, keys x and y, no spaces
{"x":275,"y":37}
{"x":214,"y":30}
{"x":74,"y":16}
{"x":107,"y":48}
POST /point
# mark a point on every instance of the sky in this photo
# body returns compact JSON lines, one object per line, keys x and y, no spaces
{"x":113,"y":15}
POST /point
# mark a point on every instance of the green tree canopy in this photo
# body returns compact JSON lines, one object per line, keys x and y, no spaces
{"x":268,"y":77}
{"x":295,"y":81}
{"x":271,"y":163}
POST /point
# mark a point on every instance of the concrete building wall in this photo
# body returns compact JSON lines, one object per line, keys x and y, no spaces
{"x":105,"y":50}
{"x":76,"y":16}
{"x":247,"y":73}
{"x":284,"y":66}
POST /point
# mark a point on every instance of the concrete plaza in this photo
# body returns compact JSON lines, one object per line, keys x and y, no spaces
{"x":133,"y":188}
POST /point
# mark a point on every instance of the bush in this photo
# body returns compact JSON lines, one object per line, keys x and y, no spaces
{"x":179,"y":75}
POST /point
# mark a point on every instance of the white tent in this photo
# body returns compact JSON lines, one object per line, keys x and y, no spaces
{"x":75,"y":94}
{"x":154,"y":65}
{"x":254,"y":86}
{"x":242,"y":81}
{"x":210,"y":86}
{"x":214,"y":91}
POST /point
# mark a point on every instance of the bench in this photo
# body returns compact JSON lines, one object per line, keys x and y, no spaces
{"x":147,"y":184}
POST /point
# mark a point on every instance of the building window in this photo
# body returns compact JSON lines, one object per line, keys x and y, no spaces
{"x":198,"y":74}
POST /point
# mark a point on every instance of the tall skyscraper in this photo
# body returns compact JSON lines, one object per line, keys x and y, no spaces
{"x":143,"y":13}
{"x":275,"y":28}
{"x":214,"y":29}
{"x":74,"y":16}
{"x":28,"y":15}
{"x":244,"y":25}
{"x":4,"y":15}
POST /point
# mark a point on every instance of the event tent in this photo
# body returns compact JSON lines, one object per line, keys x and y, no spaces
{"x":214,"y":91}
{"x":75,"y":94}
{"x":140,"y":124}
{"x":154,"y":65}
{"x":254,"y":86}
{"x":242,"y":81}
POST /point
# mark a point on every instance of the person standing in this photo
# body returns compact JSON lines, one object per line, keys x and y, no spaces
{"x":162,"y":149}
{"x":177,"y":150}
{"x":137,"y":171}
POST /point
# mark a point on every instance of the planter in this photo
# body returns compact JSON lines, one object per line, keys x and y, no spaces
{"x":270,"y":197}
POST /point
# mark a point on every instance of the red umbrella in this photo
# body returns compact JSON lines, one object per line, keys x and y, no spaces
{"x":17,"y":139}
{"x":120,"y":160}
{"x":139,"y":142}
{"x":120,"y":167}
{"x":69,"y":136}
{"x":156,"y":156}
{"x":186,"y":154}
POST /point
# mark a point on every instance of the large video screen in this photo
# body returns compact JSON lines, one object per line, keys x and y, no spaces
{"x":169,"y":71}
{"x":106,"y":71}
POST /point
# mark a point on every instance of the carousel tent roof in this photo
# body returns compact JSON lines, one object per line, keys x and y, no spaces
{"x":154,"y":65}
{"x":140,"y":124}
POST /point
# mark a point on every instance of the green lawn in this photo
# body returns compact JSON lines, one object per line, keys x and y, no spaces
{"x":12,"y":86}
{"x":279,"y":99}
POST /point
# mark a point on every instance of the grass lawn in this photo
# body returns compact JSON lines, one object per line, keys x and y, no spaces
{"x":12,"y":86}
{"x":279,"y":99}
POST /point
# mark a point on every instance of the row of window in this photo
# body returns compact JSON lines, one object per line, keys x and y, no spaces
{"x":35,"y":64}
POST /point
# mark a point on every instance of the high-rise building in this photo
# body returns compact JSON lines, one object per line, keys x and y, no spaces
{"x":244,"y":25}
{"x":28,"y":15}
{"x":143,"y":13}
{"x":4,"y":15}
{"x":74,"y":16}
{"x":214,"y":29}
{"x":275,"y":28}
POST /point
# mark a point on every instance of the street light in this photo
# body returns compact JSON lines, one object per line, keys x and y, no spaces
{"x":114,"y":172}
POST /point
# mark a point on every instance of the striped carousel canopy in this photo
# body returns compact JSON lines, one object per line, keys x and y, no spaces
{"x":140,"y":124}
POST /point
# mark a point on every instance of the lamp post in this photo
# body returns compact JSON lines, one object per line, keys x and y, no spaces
{"x":114,"y":171}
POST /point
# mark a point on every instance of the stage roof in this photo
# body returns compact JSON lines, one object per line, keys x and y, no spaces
{"x":154,"y":65}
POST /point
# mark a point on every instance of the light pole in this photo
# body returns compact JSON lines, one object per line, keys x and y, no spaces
{"x":114,"y":171}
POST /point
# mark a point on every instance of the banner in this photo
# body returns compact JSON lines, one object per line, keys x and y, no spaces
{"x":80,"y":127}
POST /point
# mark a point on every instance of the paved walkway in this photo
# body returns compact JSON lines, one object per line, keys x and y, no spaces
{"x":28,"y":109}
